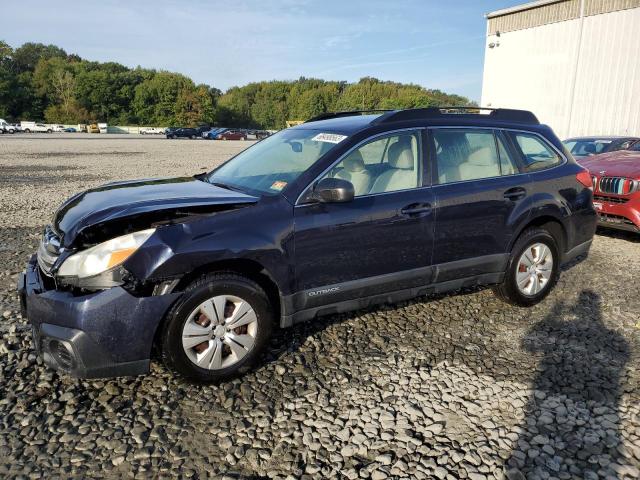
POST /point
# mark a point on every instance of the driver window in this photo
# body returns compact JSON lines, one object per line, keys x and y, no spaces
{"x":383,"y":165}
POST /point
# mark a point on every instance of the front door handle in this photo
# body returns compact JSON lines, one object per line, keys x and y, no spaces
{"x":416,"y":209}
{"x":515,"y":193}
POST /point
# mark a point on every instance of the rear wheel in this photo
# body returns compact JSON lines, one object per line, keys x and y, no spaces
{"x":532,"y":270}
{"x":219,"y":328}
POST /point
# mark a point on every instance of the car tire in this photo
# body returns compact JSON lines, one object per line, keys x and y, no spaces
{"x":192,"y":137}
{"x":49,"y":131}
{"x":26,"y":130}
{"x":536,"y":281}
{"x":230,"y":286}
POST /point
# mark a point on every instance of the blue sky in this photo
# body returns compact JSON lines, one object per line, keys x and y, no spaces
{"x":433,"y":43}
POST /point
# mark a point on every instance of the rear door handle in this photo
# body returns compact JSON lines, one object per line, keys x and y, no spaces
{"x":516,"y":193}
{"x":416,"y":209}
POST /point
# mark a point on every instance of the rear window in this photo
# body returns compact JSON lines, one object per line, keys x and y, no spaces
{"x":535,"y":152}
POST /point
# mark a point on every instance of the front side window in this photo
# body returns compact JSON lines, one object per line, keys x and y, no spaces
{"x":467,"y":154}
{"x":270,"y":165}
{"x":536,"y":154}
{"x":383,"y":165}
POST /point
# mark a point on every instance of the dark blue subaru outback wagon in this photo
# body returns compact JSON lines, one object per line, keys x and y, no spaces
{"x":345,"y":211}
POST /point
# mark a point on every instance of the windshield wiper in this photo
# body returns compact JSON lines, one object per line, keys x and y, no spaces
{"x":226,"y":186}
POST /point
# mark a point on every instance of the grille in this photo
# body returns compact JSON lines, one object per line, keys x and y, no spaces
{"x":49,"y":250}
{"x":618,"y":185}
{"x":604,"y":198}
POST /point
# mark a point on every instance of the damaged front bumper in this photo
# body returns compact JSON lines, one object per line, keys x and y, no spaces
{"x":107,"y":333}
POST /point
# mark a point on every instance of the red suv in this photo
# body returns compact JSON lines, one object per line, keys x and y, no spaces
{"x":616,"y":188}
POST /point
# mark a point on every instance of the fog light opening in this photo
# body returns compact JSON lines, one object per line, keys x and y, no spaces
{"x":62,"y":354}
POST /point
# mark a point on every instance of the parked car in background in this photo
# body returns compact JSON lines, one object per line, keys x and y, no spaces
{"x":70,"y":130}
{"x":33,"y":127}
{"x":6,"y":127}
{"x":103,"y":128}
{"x":202,"y":129}
{"x":586,"y":146}
{"x":231,"y":135}
{"x":93,"y":128}
{"x":616,"y":188}
{"x":152,"y":131}
{"x":387,"y":207}
{"x":261,"y":134}
{"x":58,"y":128}
{"x":211,"y":134}
{"x":182,"y":133}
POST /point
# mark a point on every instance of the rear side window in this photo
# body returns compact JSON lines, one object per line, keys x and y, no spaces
{"x":536,"y":154}
{"x":467,"y":154}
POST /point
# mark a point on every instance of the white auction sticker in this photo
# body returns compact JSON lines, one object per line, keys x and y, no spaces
{"x":329,"y":137}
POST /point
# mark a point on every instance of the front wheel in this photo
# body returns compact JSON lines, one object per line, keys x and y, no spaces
{"x":532,"y":270}
{"x":218,"y":329}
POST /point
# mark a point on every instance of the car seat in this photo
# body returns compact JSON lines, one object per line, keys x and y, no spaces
{"x":355,"y":171}
{"x":402,"y":174}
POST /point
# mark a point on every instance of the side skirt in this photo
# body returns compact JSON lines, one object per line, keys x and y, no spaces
{"x":390,"y":297}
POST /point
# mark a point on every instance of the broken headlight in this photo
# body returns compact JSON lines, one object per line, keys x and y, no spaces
{"x":100,"y":266}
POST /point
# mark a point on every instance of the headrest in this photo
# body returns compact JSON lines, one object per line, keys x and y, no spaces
{"x":590,"y":148}
{"x":354,"y":162}
{"x":400,"y":155}
{"x":482,"y":157}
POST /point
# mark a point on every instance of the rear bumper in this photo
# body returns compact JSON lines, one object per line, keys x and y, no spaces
{"x":103,"y":334}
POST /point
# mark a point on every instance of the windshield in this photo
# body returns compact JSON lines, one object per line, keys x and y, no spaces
{"x":270,"y":165}
{"x":583,"y":148}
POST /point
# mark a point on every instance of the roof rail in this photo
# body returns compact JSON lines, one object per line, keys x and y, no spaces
{"x":506,"y":114}
{"x":349,"y":113}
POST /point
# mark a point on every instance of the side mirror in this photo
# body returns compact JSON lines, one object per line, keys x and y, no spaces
{"x":334,"y":190}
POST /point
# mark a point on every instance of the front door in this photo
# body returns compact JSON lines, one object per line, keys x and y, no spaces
{"x":358,"y":249}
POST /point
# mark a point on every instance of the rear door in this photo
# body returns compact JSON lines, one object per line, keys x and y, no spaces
{"x":481,"y":196}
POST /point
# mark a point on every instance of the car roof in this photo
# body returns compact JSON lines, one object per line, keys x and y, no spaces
{"x":351,"y":122}
{"x":347,"y":125}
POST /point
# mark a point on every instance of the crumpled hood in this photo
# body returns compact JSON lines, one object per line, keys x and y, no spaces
{"x":614,"y":164}
{"x":148,"y":201}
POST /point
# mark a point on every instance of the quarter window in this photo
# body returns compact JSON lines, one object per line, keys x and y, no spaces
{"x":466,"y":154}
{"x":536,"y":154}
{"x":383,"y":165}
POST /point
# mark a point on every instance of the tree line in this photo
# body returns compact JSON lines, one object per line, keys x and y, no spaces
{"x":44,"y":83}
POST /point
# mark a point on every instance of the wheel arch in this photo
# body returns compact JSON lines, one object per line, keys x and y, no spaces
{"x":249,"y":268}
{"x":245,"y":267}
{"x":547,"y":222}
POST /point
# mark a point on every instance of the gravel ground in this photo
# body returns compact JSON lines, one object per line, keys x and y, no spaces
{"x":442,"y":387}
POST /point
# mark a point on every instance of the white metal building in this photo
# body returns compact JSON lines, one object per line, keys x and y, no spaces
{"x":574,"y":63}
